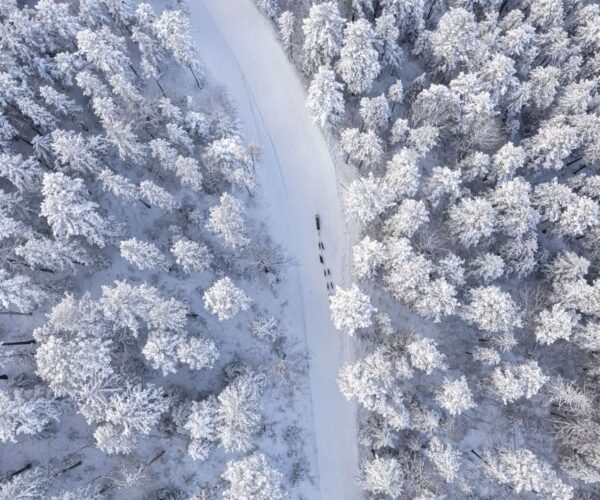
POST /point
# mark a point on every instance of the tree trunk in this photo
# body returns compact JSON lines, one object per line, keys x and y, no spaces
{"x":20,"y":471}
{"x":160,"y":87}
{"x":16,"y":313}
{"x":70,"y":467}
{"x":430,"y":10}
{"x":134,"y":71}
{"x":25,"y":140}
{"x":20,"y":342}
{"x":195,"y":77}
{"x":157,"y":457}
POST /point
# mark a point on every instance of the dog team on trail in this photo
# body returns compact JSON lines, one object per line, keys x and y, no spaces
{"x":326,"y":271}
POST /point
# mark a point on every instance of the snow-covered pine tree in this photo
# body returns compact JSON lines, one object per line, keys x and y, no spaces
{"x":173,"y":31}
{"x":203,"y":426}
{"x":375,"y":112}
{"x":239,"y":413}
{"x":70,"y":213}
{"x":387,"y":33}
{"x":18,"y":294}
{"x":286,"y":23}
{"x":227,"y":220}
{"x":359,"y":64}
{"x":455,"y":396}
{"x":225,"y":300}
{"x":191,"y":255}
{"x":53,"y":255}
{"x":25,"y":412}
{"x":253,"y":477}
{"x":322,"y":30}
{"x":325,"y":100}
{"x":383,"y":476}
{"x":351,"y":309}
{"x":143,"y":254}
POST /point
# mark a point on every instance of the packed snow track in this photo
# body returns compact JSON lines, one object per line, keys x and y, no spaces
{"x":297,"y":180}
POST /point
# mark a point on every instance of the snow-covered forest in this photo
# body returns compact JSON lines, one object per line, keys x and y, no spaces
{"x":173,"y":326}
{"x":142,"y":352}
{"x":471,"y":134}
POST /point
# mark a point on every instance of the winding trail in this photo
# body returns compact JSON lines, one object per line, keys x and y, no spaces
{"x":297,"y":180}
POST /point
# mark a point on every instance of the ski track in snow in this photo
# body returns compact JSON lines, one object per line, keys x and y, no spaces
{"x":297,"y":180}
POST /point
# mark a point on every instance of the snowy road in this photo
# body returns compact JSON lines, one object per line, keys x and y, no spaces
{"x":297,"y":180}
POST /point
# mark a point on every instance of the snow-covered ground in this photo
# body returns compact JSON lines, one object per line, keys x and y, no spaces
{"x":297,"y":180}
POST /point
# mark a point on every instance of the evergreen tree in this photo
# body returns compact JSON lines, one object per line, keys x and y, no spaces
{"x":455,"y":396}
{"x":119,"y":186}
{"x":52,"y":255}
{"x":239,"y":413}
{"x":351,"y":309}
{"x":192,"y":256}
{"x":367,"y":198}
{"x":225,"y":300}
{"x":402,"y":173}
{"x":523,"y":471}
{"x":69,"y":211}
{"x":269,"y":7}
{"x":386,"y":41}
{"x":471,"y":220}
{"x":104,"y":50}
{"x":227,"y":220}
{"x":367,"y":256}
{"x":492,"y":310}
{"x":358,"y":65}
{"x":158,"y":197}
{"x":253,"y":477}
{"x":19,"y":294}
{"x":375,"y":112}
{"x":511,"y":382}
{"x":383,"y":476}
{"x":132,"y":413}
{"x":143,"y":254}
{"x":325,"y":100}
{"x":444,"y":458}
{"x":322,"y":30}
{"x":25,"y":412}
{"x":172,"y":29}
{"x":425,"y":356}
{"x":24,"y":173}
{"x":454,"y":42}
{"x":203,"y":427}
{"x":286,"y":23}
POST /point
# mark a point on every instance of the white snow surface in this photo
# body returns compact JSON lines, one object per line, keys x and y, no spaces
{"x":297,"y":180}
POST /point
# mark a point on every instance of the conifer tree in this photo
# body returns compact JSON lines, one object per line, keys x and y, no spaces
{"x":351,"y":309}
{"x":325,"y":100}
{"x":358,"y":65}
{"x":322,"y":30}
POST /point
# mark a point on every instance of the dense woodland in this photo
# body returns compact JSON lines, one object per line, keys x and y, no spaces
{"x":141,"y":348}
{"x":141,"y":354}
{"x":472,"y":129}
